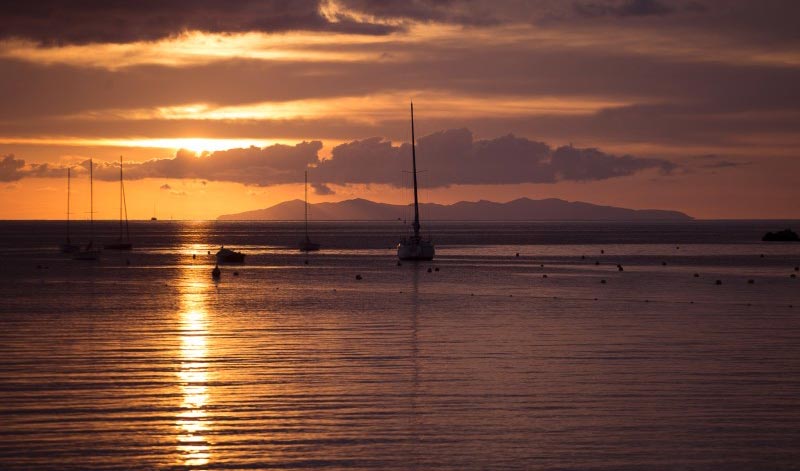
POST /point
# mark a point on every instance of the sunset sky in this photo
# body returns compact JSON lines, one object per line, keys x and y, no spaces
{"x":218,"y":107}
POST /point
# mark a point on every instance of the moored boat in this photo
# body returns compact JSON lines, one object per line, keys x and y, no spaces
{"x":229,"y":256}
{"x":306,"y":245}
{"x":67,"y":246}
{"x":122,"y":243}
{"x":90,"y":252}
{"x":415,"y":247}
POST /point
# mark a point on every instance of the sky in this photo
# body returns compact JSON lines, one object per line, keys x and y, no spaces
{"x":219,"y":107}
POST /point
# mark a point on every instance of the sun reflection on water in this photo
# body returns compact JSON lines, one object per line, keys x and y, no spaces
{"x":193,"y":421}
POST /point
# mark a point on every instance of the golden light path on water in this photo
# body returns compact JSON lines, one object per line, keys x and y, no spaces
{"x":192,"y":422}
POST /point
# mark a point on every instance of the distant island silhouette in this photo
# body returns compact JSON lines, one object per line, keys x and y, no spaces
{"x":522,"y":209}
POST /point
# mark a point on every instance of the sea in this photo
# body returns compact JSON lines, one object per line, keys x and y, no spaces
{"x":522,"y":346}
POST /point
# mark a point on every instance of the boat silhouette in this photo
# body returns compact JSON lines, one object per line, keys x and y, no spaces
{"x":415,"y":247}
{"x":68,"y":246}
{"x":786,"y":235}
{"x":90,"y":252}
{"x":122,"y":243}
{"x":229,"y":256}
{"x":306,"y":245}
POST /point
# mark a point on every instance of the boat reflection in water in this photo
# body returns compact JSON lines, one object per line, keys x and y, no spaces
{"x":193,"y":422}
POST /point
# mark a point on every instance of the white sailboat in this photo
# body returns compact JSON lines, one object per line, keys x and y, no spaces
{"x":122,"y":243}
{"x":68,"y":246}
{"x":90,"y":252}
{"x":306,"y":245}
{"x":415,"y":247}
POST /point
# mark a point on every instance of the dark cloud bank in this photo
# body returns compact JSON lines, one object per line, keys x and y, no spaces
{"x":449,"y":157}
{"x":122,"y":21}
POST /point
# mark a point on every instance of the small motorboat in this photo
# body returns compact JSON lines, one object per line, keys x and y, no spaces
{"x":229,"y":256}
{"x":216,"y":273}
{"x":786,"y":235}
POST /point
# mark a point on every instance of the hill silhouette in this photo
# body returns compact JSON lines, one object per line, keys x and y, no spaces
{"x":522,"y":209}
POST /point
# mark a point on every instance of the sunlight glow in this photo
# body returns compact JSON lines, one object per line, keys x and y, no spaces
{"x":193,"y":48}
{"x":198,"y":145}
{"x":367,"y":108}
{"x":189,"y":49}
{"x":193,"y":376}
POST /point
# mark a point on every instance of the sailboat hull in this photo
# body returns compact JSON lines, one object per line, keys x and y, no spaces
{"x":119,"y":246}
{"x":413,"y":249}
{"x":308,"y":246}
{"x":88,"y":255}
{"x":69,"y":248}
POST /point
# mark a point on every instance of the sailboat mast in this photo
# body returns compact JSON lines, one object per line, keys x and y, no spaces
{"x":305,"y":199}
{"x":91,"y":202}
{"x":120,"y":198}
{"x":124,"y":205}
{"x":414,"y":171}
{"x":68,"y":175}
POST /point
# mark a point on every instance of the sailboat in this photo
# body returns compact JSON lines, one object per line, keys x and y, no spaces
{"x":68,"y":246}
{"x":122,"y":244}
{"x":415,"y":247}
{"x":90,"y":252}
{"x":306,"y":245}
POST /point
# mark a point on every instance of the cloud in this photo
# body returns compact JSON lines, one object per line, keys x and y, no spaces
{"x":454,"y":157}
{"x":271,"y":165}
{"x":445,"y":158}
{"x":165,"y":186}
{"x":322,"y":189}
{"x":10,"y":169}
{"x":714,"y":161}
{"x":13,"y":169}
{"x":64,"y":22}
{"x":623,"y":9}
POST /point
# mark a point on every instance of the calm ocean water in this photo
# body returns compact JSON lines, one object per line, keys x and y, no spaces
{"x":141,"y":361}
